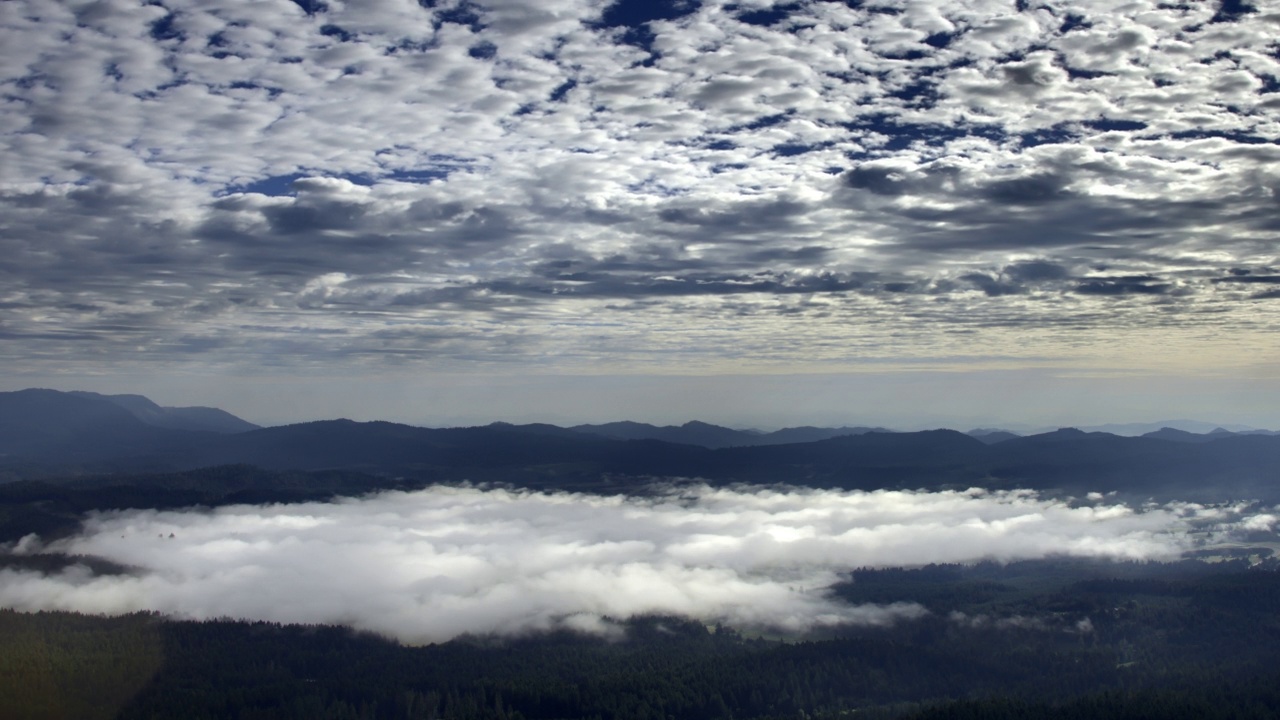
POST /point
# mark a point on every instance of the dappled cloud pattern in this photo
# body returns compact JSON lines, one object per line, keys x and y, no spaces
{"x":250,"y":184}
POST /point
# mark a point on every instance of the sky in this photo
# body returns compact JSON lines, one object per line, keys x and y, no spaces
{"x":430,"y":565}
{"x":906,"y":213}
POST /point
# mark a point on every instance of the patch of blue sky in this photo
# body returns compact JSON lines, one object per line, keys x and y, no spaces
{"x":632,"y":17}
{"x":1111,"y":125}
{"x":633,"y":13}
{"x":562,"y":90}
{"x":282,"y":185}
{"x":793,"y":149}
{"x":275,"y":186}
{"x":767,"y":17}
{"x":464,"y":14}
{"x":164,"y":29}
{"x":312,"y":7}
{"x":1055,"y":135}
{"x":905,"y":135}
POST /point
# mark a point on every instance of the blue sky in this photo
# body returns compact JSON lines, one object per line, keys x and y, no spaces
{"x":756,"y":213}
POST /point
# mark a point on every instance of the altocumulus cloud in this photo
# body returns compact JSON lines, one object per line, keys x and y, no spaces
{"x":637,"y":186}
{"x":433,"y":564}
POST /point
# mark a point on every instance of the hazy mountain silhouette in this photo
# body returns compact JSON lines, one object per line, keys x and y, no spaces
{"x":808,"y":433}
{"x":715,"y":436}
{"x":1067,"y":460}
{"x":690,"y":433}
{"x":991,"y":436}
{"x":44,"y":432}
{"x":1191,"y":426}
{"x":53,"y":425}
{"x":1175,"y":435}
{"x":175,"y":418}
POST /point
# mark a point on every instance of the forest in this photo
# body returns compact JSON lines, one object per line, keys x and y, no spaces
{"x":1058,"y":638}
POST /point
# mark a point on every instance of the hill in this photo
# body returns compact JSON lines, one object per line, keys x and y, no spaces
{"x":44,"y":433}
{"x":176,"y":418}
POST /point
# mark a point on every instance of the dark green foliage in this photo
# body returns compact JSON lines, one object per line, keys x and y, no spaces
{"x":1189,"y":639}
{"x":1201,"y":697}
{"x":53,"y":508}
{"x":63,"y":665}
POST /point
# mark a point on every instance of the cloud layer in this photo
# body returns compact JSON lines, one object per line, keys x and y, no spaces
{"x":636,"y":186}
{"x":433,"y":564}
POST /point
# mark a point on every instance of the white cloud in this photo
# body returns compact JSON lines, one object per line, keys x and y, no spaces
{"x":437,"y":563}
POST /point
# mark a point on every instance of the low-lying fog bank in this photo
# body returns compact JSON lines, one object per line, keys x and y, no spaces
{"x":437,"y":563}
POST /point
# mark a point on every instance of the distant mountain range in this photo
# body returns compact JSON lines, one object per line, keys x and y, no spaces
{"x":46,"y":433}
{"x":175,"y":418}
{"x":1194,"y":427}
{"x":714,"y":436}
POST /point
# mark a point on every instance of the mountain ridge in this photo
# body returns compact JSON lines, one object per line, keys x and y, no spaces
{"x":174,"y":418}
{"x":45,"y":433}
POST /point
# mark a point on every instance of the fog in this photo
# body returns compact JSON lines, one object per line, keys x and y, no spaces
{"x":434,"y":564}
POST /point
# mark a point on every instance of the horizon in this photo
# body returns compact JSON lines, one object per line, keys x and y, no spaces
{"x":1127,"y":428}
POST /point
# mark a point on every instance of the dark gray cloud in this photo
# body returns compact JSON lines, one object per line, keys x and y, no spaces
{"x":1130,"y":285}
{"x":1250,"y":279}
{"x":1030,"y":190}
{"x":1032,"y":271}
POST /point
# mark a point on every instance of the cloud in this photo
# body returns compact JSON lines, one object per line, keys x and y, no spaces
{"x":1142,"y":284}
{"x":179,"y":176}
{"x":433,"y":564}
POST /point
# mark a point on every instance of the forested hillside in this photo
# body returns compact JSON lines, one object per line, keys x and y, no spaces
{"x":1061,"y":639}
